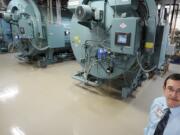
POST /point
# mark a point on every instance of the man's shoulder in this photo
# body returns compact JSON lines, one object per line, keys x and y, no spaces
{"x":160,"y":101}
{"x":157,"y":108}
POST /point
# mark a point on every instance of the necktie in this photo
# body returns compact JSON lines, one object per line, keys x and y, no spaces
{"x":162,"y":123}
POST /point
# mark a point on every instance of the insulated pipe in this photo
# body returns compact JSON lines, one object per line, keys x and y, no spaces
{"x":48,"y":12}
{"x":105,"y":4}
{"x":152,"y":20}
{"x":174,"y":27}
{"x":51,"y":11}
{"x":58,"y":12}
{"x":172,"y":16}
{"x":2,"y":3}
{"x":151,"y":26}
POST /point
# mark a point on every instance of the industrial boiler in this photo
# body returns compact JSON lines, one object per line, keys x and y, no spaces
{"x":41,"y":30}
{"x":119,"y":39}
{"x":5,"y":30}
{"x":5,"y":36}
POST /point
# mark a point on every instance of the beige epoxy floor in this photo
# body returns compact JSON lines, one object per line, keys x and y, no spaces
{"x":48,"y":101}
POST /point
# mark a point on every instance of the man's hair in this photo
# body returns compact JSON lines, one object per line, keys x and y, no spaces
{"x":172,"y":77}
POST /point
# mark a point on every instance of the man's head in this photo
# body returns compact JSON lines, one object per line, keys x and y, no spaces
{"x":172,"y":90}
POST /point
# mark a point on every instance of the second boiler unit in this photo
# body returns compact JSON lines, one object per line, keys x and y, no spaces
{"x":41,"y":30}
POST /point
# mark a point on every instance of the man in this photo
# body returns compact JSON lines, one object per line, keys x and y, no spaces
{"x":165,"y":111}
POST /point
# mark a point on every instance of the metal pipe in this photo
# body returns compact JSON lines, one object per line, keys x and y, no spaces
{"x":174,"y":3}
{"x":51,"y":12}
{"x":152,"y":23}
{"x":48,"y":12}
{"x":174,"y":28}
{"x":58,"y":12}
{"x":105,"y":4}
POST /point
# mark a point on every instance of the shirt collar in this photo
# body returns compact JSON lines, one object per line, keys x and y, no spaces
{"x":175,"y":110}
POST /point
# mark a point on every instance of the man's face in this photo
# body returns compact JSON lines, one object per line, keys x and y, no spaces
{"x":172,"y":93}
